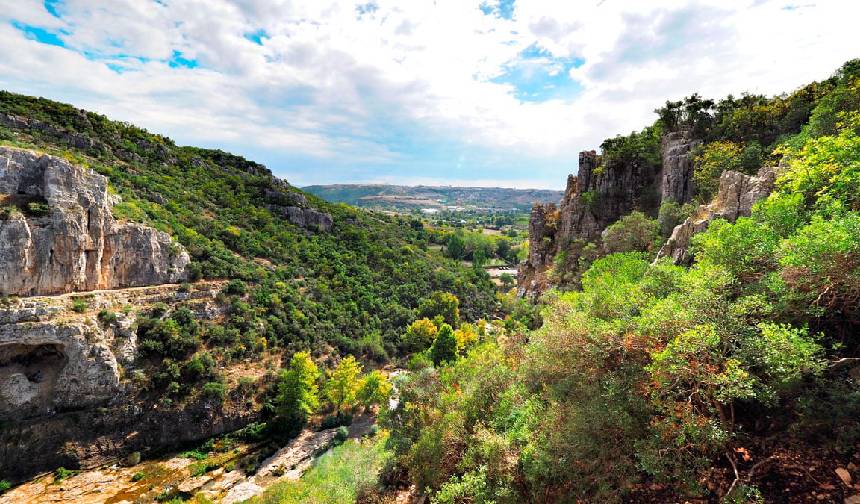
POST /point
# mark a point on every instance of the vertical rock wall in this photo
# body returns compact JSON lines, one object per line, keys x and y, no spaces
{"x":76,"y":245}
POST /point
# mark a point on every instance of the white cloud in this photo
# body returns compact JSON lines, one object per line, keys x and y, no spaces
{"x":371,"y":86}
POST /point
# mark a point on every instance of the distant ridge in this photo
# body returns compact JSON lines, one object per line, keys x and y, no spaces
{"x":421,"y":196}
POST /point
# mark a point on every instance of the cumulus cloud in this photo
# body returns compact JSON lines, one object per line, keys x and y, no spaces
{"x":327,"y":91}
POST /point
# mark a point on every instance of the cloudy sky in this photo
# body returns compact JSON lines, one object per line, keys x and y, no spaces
{"x":483,"y":92}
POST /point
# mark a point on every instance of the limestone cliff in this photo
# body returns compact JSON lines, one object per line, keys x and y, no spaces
{"x":67,"y":393}
{"x":75,"y":244}
{"x":603,"y":191}
{"x":737,"y":194}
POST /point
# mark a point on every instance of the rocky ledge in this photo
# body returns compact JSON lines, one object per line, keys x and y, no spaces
{"x":58,"y":235}
{"x":737,"y":194}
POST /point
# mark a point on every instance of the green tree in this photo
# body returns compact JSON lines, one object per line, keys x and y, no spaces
{"x":632,"y":233}
{"x":456,"y":246}
{"x":343,"y":384}
{"x":375,"y":389}
{"x":444,"y":347}
{"x":442,"y":304}
{"x":298,"y":392}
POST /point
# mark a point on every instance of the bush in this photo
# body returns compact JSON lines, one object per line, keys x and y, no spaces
{"x":215,"y":390}
{"x":341,"y":435}
{"x":37,"y":209}
{"x":4,"y":486}
{"x":107,"y":317}
{"x":80,"y":305}
{"x":632,"y":233}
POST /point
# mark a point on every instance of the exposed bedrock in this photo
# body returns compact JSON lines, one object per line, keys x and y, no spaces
{"x":74,"y":243}
{"x":737,"y":194}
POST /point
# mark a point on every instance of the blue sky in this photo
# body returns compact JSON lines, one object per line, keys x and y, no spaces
{"x":460,"y":92}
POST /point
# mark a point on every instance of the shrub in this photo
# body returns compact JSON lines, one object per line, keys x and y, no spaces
{"x":235,"y":288}
{"x":341,"y":435}
{"x":215,"y":390}
{"x":107,"y":317}
{"x":632,"y":233}
{"x":4,"y":486}
{"x":37,"y":209}
{"x":80,"y":305}
{"x":62,"y":474}
{"x":444,"y":347}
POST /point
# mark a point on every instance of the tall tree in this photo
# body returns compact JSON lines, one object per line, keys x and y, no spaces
{"x":343,"y":384}
{"x":298,"y":392}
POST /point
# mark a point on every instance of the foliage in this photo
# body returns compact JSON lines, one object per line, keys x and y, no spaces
{"x":634,"y":232}
{"x":374,"y":390}
{"x":671,"y":214}
{"x":300,"y":288}
{"x":420,"y":335}
{"x":441,"y":304}
{"x":4,"y":486}
{"x":297,"y":393}
{"x":342,"y":384}
{"x":337,"y":477}
{"x":444,"y":347}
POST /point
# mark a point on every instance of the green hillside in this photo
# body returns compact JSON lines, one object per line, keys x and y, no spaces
{"x":354,"y":286}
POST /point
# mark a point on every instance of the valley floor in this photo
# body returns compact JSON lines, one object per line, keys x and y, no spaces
{"x":223,"y":475}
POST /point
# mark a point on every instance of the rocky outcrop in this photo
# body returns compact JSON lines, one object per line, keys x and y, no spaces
{"x":74,"y":243}
{"x":602,"y":192}
{"x":677,"y":172}
{"x":295,"y":208}
{"x":55,"y":359}
{"x":58,"y":366}
{"x":737,"y":194}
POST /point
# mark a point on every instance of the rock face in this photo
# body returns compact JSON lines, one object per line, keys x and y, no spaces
{"x":677,"y":173}
{"x":735,"y":198}
{"x":55,"y":359}
{"x":65,"y":393}
{"x":296,"y":209}
{"x":77,"y":245}
{"x":600,"y":193}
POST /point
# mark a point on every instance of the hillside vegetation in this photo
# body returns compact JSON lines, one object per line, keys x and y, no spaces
{"x":348,"y":289}
{"x":733,"y":379}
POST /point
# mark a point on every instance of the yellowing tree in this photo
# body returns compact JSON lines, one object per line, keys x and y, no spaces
{"x":298,"y":392}
{"x":375,"y":389}
{"x":343,"y":384}
{"x":420,"y":335}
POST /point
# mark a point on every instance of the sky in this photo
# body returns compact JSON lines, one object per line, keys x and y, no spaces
{"x":448,"y":92}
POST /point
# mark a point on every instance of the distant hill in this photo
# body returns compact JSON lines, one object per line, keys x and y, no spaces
{"x":406,"y":197}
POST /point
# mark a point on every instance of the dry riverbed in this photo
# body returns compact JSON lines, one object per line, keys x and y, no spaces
{"x":229,"y":473}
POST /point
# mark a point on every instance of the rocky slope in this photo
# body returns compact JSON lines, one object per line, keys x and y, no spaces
{"x":73,"y":243}
{"x":604,"y":190}
{"x":67,"y":390}
{"x":737,"y":194}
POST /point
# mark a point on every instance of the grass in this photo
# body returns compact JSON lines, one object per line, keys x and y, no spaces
{"x":335,"y":477}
